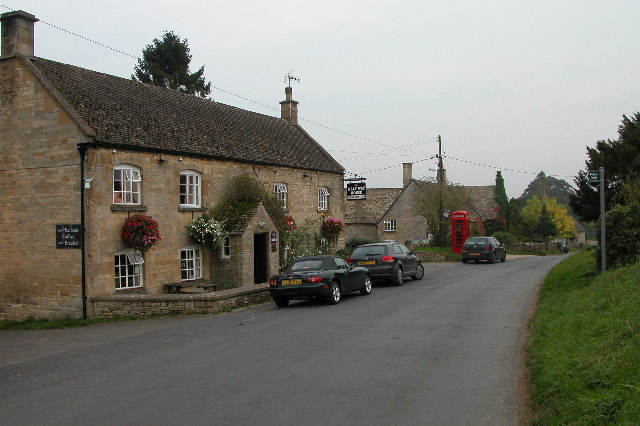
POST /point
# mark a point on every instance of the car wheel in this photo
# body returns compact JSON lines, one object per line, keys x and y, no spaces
{"x":492,"y":258}
{"x":281,"y":302}
{"x":333,"y":298}
{"x":399,"y":278}
{"x":464,"y":260}
{"x":366,"y":288}
{"x":419,"y":272}
{"x":504,"y":258}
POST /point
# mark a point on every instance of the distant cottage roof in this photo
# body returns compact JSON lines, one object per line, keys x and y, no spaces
{"x":121,"y":112}
{"x":373,"y":208}
{"x":479,"y":201}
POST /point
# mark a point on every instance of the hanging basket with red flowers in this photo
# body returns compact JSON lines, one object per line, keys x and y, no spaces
{"x":291,"y":223}
{"x":332,"y":227}
{"x":141,"y":232}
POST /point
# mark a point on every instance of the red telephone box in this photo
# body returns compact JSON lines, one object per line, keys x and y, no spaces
{"x":459,"y":230}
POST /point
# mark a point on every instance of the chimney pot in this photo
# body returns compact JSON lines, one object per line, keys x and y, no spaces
{"x":17,"y":33}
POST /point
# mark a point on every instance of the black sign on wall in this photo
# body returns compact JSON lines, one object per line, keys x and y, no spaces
{"x":68,"y":237}
{"x":357,"y":191}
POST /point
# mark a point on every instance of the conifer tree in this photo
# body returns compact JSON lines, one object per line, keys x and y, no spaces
{"x":165,"y":63}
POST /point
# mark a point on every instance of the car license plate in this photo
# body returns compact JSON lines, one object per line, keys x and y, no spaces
{"x":474,"y":254}
{"x":288,"y":282}
{"x":367,"y":262}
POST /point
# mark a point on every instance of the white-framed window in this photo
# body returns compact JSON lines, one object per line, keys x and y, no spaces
{"x":126,"y":184}
{"x":128,"y":272}
{"x":390,"y":225}
{"x":191,"y":263}
{"x":190,"y":188}
{"x":323,"y":198}
{"x":280,"y":191}
{"x":226,"y":249}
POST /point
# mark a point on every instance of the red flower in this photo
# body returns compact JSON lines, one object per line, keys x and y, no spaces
{"x":141,"y":232}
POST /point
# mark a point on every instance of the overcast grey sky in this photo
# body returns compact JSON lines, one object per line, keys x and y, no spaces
{"x":516,"y":86}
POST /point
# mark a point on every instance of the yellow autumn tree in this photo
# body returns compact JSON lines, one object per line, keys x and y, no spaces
{"x":560,"y":216}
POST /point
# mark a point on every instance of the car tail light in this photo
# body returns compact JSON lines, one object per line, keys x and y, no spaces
{"x":272,"y":283}
{"x":487,"y":247}
{"x":349,"y":260}
{"x":388,"y":258}
{"x":314,"y":279}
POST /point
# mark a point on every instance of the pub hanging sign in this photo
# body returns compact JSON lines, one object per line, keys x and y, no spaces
{"x":357,"y":191}
{"x":68,"y":237}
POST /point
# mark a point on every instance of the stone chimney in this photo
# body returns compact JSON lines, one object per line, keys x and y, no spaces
{"x":289,"y":107}
{"x":17,"y":33}
{"x":407,"y":171}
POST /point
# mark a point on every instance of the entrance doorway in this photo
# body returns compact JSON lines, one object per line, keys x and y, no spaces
{"x":260,"y":258}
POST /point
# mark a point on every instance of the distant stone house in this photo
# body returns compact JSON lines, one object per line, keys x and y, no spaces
{"x":83,"y":148}
{"x":390,"y":213}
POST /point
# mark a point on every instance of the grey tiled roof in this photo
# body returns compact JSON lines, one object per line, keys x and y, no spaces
{"x":481,"y":201}
{"x":127,"y":113}
{"x":373,"y":208}
{"x":478,"y":200}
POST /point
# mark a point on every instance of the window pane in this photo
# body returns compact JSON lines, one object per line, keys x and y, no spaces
{"x":190,"y":189}
{"x":126,"y":186}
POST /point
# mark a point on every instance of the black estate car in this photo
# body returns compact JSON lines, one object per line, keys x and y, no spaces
{"x":388,"y":260}
{"x":323,"y":276}
{"x":483,"y":248}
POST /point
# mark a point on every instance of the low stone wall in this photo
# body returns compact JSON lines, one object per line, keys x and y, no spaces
{"x":529,"y":247}
{"x":430,"y":257}
{"x":140,"y":305}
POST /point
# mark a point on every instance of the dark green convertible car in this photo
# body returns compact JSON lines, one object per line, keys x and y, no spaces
{"x":324,"y":276}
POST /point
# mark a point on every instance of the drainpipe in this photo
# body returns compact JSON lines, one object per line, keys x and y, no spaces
{"x":83,"y":150}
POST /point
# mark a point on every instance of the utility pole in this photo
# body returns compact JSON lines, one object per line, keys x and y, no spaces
{"x":441,"y":183}
{"x":603,"y":244}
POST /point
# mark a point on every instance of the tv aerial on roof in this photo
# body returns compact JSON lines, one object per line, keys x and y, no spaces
{"x":289,"y":77}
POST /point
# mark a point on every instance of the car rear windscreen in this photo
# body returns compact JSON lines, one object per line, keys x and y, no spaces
{"x":477,"y":240}
{"x":307,"y":265}
{"x":368,"y":251}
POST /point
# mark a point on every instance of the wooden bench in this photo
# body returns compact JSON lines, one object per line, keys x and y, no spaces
{"x":175,"y":288}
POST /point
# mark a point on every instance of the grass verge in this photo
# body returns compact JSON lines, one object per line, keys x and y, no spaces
{"x":449,"y":256}
{"x":65,"y":322}
{"x":585,"y":346}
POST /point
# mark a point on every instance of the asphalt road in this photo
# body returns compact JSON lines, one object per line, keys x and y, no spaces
{"x":441,"y":351}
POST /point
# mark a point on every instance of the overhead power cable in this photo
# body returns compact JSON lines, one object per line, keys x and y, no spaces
{"x":393,"y":166}
{"x":216,"y":88}
{"x":391,"y":147}
{"x":499,"y":168}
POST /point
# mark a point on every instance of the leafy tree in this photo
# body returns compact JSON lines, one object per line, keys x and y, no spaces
{"x":514,"y":218}
{"x":561,"y":218}
{"x":623,"y":234}
{"x":623,"y":226}
{"x":534,"y":222}
{"x":545,"y":227}
{"x":620,"y":159}
{"x":508,"y":210}
{"x":500,"y":197}
{"x":434,"y":199}
{"x":166,"y":62}
{"x":544,"y":186}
